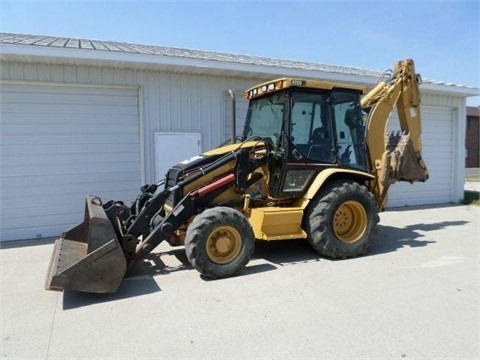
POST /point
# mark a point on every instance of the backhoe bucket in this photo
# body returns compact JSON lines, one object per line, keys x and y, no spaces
{"x":88,"y":257}
{"x":403,"y":162}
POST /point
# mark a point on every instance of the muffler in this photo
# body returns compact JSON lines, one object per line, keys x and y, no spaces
{"x":88,"y":257}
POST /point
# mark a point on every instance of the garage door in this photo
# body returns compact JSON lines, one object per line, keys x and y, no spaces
{"x":58,"y":144}
{"x":437,"y":141}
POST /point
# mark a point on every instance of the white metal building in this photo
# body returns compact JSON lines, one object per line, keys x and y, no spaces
{"x":82,"y":116}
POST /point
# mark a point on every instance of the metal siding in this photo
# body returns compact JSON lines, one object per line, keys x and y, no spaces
{"x":241,"y":107}
{"x":43,"y":73}
{"x":184,"y":103}
{"x":30,"y":70}
{"x":60,"y":143}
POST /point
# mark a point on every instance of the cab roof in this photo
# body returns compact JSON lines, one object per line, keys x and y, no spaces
{"x":284,"y":83}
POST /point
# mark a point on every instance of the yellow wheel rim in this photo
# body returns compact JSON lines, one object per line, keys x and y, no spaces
{"x":350,"y":221}
{"x":224,"y":245}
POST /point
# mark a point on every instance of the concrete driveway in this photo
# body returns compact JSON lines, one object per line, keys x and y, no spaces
{"x":414,"y":296}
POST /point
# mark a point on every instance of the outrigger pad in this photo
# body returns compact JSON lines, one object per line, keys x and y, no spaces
{"x":88,"y":257}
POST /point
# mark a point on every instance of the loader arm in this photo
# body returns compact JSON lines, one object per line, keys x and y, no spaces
{"x":194,"y":201}
{"x":395,"y":157}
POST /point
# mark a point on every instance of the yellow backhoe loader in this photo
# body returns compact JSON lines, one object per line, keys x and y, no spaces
{"x":314,"y":162}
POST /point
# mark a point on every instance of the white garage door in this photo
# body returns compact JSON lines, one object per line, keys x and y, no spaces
{"x":58,"y":144}
{"x":437,"y":141}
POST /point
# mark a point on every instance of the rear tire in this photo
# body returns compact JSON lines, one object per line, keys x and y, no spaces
{"x":341,"y":220}
{"x":219,"y":242}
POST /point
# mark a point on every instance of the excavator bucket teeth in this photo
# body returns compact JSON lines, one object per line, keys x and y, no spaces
{"x":88,"y":257}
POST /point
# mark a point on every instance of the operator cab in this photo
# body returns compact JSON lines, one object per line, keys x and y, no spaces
{"x":311,"y":126}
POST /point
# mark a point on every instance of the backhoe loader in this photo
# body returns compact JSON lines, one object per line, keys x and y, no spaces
{"x":314,"y":162}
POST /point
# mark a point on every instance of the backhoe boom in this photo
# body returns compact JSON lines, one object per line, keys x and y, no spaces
{"x":395,"y":157}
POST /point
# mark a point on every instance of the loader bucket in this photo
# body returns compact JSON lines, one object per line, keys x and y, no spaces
{"x":88,"y":257}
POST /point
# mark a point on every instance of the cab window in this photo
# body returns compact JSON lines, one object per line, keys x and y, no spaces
{"x":311,"y":129}
{"x":350,"y":128}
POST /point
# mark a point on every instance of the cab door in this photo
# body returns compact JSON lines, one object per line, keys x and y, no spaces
{"x":308,"y":141}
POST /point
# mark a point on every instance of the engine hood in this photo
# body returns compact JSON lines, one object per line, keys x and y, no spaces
{"x":232,"y":147}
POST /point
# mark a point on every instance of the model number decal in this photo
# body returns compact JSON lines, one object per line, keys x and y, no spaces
{"x":297,"y":82}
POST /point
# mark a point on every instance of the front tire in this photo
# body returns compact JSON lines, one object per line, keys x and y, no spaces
{"x":219,"y":242}
{"x":341,"y":220}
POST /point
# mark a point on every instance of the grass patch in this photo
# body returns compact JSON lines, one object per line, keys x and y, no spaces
{"x":471,"y":198}
{"x":472,"y":178}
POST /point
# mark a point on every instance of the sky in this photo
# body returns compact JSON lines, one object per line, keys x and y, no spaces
{"x":442,"y":36}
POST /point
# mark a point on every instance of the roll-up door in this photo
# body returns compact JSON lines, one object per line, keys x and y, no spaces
{"x":437,"y":142}
{"x":60,"y":143}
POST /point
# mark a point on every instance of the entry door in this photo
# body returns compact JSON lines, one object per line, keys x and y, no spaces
{"x":172,"y":148}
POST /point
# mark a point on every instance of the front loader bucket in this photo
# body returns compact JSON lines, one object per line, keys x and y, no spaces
{"x":88,"y":257}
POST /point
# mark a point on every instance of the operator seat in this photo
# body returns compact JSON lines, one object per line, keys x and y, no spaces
{"x":318,"y":136}
{"x":320,"y":146}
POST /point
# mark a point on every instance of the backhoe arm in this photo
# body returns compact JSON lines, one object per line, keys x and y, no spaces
{"x":395,"y":157}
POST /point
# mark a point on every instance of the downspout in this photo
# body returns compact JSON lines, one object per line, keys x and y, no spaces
{"x":234,"y":121}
